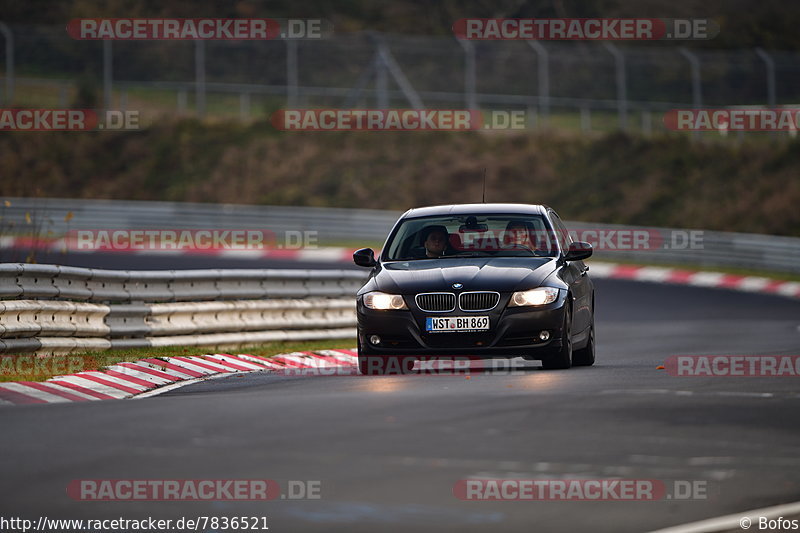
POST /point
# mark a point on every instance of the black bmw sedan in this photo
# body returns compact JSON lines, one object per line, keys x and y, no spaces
{"x":476,"y":280}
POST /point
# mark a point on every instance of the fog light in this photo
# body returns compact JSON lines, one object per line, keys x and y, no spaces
{"x":544,"y":335}
{"x":374,"y":339}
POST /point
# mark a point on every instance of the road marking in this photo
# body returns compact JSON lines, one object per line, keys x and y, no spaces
{"x":725,"y":394}
{"x":732,"y":521}
{"x":178,"y":385}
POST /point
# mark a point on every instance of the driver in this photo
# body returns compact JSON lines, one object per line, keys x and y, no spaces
{"x":435,"y":241}
{"x":518,"y":234}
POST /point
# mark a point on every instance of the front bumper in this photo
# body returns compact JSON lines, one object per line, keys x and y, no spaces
{"x":514,"y":331}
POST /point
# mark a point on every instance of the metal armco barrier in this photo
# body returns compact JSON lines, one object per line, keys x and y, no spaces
{"x":717,"y":249}
{"x":52,"y":309}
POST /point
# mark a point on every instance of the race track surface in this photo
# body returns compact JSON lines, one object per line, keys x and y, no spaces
{"x":388,"y":450}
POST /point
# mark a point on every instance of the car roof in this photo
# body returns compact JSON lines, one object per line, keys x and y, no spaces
{"x":475,"y":209}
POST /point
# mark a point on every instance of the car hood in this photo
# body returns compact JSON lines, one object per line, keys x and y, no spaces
{"x":502,"y":274}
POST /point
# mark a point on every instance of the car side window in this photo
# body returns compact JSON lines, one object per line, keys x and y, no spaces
{"x":563,"y":236}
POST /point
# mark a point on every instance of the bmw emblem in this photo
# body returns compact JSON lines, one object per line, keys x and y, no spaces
{"x":457,"y":286}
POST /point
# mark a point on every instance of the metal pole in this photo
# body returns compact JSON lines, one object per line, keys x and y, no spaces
{"x":291,"y":73}
{"x":381,"y":82}
{"x":244,"y":106}
{"x":469,"y":74}
{"x":543,"y":68}
{"x":391,"y":67}
{"x":622,"y":86}
{"x":9,"y":38}
{"x":694,"y":62}
{"x":770,"y":64}
{"x":697,"y":95}
{"x":586,"y":119}
{"x":108,"y":75}
{"x":182,"y":98}
{"x":200,"y":77}
{"x":647,"y":122}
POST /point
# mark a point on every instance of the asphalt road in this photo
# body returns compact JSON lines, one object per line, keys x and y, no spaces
{"x":388,"y":450}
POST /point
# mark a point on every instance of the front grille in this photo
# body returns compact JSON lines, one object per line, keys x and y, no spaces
{"x":478,"y":301}
{"x":436,"y":302}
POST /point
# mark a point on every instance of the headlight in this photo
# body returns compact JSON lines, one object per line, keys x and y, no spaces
{"x":383,"y":301}
{"x":540,"y":296}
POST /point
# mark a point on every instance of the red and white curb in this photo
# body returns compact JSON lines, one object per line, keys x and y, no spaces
{"x":695,"y":278}
{"x":148,"y":377}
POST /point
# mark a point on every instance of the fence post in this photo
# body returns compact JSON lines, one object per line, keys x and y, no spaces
{"x":469,"y":74}
{"x":244,"y":106}
{"x":9,"y":38}
{"x":291,"y":73}
{"x":622,"y":85}
{"x":647,"y":122}
{"x":200,"y":77}
{"x":182,"y":98}
{"x":586,"y":119}
{"x":697,"y":95}
{"x":694,"y":62}
{"x":543,"y":68}
{"x":108,"y":75}
{"x":770,"y":64}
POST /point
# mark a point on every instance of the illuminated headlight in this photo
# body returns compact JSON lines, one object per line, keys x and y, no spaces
{"x":540,"y":296}
{"x":383,"y":301}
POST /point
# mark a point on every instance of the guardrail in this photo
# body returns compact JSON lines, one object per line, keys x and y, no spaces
{"x":52,"y":309}
{"x":718,"y":249}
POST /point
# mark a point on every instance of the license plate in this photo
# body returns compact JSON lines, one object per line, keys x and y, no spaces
{"x":456,"y":323}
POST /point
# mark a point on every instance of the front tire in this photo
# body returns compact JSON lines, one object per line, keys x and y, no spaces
{"x":563,"y":358}
{"x":585,"y":356}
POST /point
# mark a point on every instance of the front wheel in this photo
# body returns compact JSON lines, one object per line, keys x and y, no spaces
{"x":585,"y":356}
{"x":563,"y":358}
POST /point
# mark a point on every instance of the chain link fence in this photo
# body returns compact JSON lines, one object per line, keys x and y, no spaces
{"x":590,"y":85}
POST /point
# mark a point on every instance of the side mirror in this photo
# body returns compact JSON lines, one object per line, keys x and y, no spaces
{"x":364,"y":257}
{"x":578,"y":250}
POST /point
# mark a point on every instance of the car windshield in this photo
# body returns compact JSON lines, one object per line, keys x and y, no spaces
{"x":484,"y":235}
